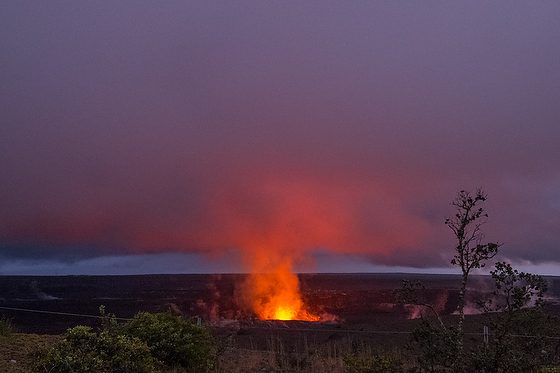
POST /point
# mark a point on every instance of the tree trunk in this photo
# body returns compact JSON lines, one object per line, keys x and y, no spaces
{"x":461,"y":309}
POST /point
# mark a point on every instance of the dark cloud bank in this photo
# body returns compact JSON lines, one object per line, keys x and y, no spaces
{"x":201,"y":127}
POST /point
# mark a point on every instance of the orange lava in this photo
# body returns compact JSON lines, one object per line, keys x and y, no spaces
{"x":276,"y":295}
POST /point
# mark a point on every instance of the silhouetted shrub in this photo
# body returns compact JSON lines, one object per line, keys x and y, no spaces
{"x":173,"y":340}
{"x":83,"y":350}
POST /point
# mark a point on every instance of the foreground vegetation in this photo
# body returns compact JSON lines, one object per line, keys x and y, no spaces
{"x":82,"y":349}
{"x":147,"y":343}
{"x":342,"y":356}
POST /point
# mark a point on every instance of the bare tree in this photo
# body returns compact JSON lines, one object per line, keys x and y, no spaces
{"x":470,"y":252}
{"x":510,"y":309}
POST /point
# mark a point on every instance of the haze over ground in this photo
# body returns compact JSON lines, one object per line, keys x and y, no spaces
{"x":332,"y":133}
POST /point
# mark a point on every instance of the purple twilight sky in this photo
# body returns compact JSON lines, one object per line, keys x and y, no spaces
{"x":142,"y":136}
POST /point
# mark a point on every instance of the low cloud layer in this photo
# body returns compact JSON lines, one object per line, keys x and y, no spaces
{"x":139,"y":128}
